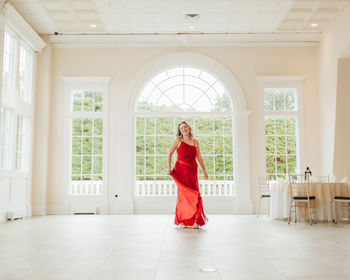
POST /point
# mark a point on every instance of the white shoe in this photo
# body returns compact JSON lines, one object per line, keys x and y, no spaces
{"x":195,"y":226}
{"x":181,"y":225}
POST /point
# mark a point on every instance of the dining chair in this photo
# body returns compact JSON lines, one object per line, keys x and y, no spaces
{"x":264,"y":192}
{"x":344,"y":204}
{"x":299,"y":185}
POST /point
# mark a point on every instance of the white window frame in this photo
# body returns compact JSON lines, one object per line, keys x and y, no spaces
{"x":19,"y":107}
{"x":94,"y":84}
{"x":281,"y":82}
{"x":213,"y":114}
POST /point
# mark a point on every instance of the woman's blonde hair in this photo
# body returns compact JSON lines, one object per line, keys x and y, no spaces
{"x":179,"y":134}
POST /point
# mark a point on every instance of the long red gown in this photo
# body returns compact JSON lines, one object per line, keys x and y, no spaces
{"x":189,"y":206}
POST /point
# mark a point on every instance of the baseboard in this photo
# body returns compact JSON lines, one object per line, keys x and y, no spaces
{"x":38,"y":210}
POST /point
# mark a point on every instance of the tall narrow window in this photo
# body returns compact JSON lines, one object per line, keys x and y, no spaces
{"x":5,"y":137}
{"x":16,"y":115}
{"x":281,"y":123}
{"x":22,"y":142}
{"x":9,"y":65}
{"x":87,"y":122}
{"x":184,"y":94}
{"x":25,"y":73}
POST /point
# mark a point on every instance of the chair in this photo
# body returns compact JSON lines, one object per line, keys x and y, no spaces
{"x":344,"y":203}
{"x":264,"y":191}
{"x":299,"y":190}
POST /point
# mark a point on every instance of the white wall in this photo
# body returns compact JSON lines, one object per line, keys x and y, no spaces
{"x":122,"y":64}
{"x":335,"y":44}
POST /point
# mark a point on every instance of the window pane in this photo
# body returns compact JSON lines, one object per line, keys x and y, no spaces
{"x":165,"y":126}
{"x":229,"y":165}
{"x":140,"y":167}
{"x":183,"y":92}
{"x":163,"y":144}
{"x":228,"y":125}
{"x":98,"y":127}
{"x":292,"y":164}
{"x":98,"y":101}
{"x":219,"y":145}
{"x":228,"y":148}
{"x":150,"y":145}
{"x":270,"y":165}
{"x":77,"y":101}
{"x":291,"y":145}
{"x":291,"y":130}
{"x":87,"y":146}
{"x":280,"y":127}
{"x":140,"y":145}
{"x":279,"y":101}
{"x":88,"y":101}
{"x":161,"y":165}
{"x":87,"y":164}
{"x":204,"y":126}
{"x":209,"y":164}
{"x":76,"y":146}
{"x":150,"y":165}
{"x":77,"y":123}
{"x":97,"y":165}
{"x":268,"y":101}
{"x":150,"y":126}
{"x":140,"y":126}
{"x":206,"y":144}
{"x":269,"y":126}
{"x":281,"y":164}
{"x":270,"y":144}
{"x":280,"y":145}
{"x":87,"y":127}
{"x":76,"y":165}
{"x":98,"y":146}
{"x":219,"y":165}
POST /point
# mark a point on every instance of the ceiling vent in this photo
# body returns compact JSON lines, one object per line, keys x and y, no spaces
{"x":192,"y":16}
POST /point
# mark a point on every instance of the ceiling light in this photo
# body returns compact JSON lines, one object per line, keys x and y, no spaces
{"x":314,"y":24}
{"x":93,"y":25}
{"x":191,"y":27}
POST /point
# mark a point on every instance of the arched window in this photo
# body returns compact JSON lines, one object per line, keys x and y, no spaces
{"x":188,"y":94}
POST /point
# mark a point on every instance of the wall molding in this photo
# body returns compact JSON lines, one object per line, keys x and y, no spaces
{"x":175,"y":40}
{"x":17,"y":22}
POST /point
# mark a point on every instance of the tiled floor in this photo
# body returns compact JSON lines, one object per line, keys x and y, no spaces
{"x":149,"y":247}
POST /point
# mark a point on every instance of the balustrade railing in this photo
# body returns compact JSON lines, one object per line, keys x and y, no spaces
{"x":86,"y":187}
{"x":169,"y":188}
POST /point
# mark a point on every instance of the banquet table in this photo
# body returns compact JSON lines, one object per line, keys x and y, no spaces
{"x":324,"y":192}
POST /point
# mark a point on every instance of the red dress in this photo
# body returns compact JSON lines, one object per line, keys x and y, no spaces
{"x":189,"y":206}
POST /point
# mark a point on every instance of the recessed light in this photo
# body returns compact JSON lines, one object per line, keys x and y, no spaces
{"x":314,"y":24}
{"x":191,"y":27}
{"x":93,"y":25}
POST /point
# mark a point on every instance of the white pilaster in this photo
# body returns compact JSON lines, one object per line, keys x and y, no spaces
{"x":243,"y":196}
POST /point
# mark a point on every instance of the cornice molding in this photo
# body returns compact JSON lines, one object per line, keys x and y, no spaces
{"x":280,"y":78}
{"x":87,"y":80}
{"x":153,"y":40}
{"x":17,"y":22}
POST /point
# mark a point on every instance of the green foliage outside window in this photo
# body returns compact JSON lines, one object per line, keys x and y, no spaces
{"x":87,"y":133}
{"x":154,"y":136}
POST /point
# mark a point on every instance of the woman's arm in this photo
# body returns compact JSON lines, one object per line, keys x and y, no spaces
{"x":172,"y":149}
{"x":200,"y":160}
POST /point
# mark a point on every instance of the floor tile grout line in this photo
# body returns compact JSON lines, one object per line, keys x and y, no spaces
{"x":161,"y":247}
{"x":210,"y":256}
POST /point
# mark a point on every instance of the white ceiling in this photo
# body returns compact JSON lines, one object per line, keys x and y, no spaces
{"x":169,"y":16}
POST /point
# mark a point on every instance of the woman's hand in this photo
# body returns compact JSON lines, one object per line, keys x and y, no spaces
{"x":205,"y":176}
{"x":169,"y":171}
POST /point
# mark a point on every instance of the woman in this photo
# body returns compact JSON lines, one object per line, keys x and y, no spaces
{"x":189,"y":206}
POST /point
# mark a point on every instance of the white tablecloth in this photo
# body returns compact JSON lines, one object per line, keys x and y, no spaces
{"x":324,"y":192}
